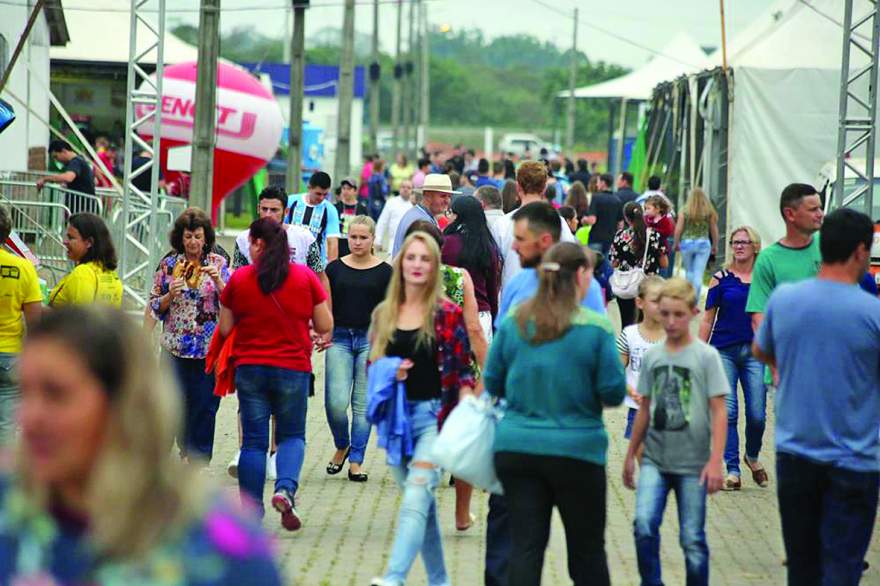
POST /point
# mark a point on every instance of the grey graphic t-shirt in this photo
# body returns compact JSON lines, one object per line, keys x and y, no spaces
{"x":679,"y":385}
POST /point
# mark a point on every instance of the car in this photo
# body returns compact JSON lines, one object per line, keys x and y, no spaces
{"x":521,"y":143}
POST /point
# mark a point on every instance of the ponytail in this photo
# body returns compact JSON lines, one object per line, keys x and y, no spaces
{"x":547,"y":316}
{"x":636,"y":218}
{"x":273,"y":264}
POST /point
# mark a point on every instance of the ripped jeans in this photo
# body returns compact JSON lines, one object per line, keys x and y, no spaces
{"x":417,"y":528}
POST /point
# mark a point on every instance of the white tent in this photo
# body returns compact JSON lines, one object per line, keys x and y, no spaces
{"x":681,"y":56}
{"x":784,"y":113}
{"x":100,"y":34}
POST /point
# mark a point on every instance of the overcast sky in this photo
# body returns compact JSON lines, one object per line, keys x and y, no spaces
{"x":650,"y":23}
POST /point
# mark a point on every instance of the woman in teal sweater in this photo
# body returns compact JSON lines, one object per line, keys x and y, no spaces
{"x":556,"y":366}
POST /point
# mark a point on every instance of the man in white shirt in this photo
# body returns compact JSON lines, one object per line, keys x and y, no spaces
{"x":531,"y":180}
{"x":271,"y":204}
{"x":394,"y":210}
{"x":490,"y":198}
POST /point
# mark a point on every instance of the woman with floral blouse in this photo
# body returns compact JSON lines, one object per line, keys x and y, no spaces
{"x":186,"y":299}
{"x":628,"y":252}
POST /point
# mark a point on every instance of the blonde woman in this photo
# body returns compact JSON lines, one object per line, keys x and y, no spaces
{"x":358,"y":282}
{"x":96,"y":498}
{"x":697,"y":223}
{"x":728,"y":327}
{"x":417,"y":323}
{"x":556,"y":364}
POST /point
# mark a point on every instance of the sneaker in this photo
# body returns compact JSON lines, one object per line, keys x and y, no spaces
{"x":232,"y":467}
{"x":732,"y":482}
{"x":283,"y":503}
{"x":271,"y":471}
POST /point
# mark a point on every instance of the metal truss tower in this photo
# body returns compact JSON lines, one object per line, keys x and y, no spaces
{"x":139,"y":242}
{"x":858,"y":102}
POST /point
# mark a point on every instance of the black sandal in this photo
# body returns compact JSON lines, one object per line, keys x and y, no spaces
{"x":333,"y":468}
{"x":359,"y":477}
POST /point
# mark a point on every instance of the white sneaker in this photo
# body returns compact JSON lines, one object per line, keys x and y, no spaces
{"x":271,"y":471}
{"x":232,"y":467}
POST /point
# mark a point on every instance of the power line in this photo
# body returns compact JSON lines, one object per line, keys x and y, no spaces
{"x":285,"y":7}
{"x":612,"y":34}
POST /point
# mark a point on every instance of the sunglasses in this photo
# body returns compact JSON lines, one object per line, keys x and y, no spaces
{"x":740,"y":242}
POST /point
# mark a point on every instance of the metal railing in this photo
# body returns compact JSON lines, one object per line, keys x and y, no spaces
{"x":40,"y":218}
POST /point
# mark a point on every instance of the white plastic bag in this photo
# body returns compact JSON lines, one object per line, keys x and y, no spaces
{"x":465,"y":444}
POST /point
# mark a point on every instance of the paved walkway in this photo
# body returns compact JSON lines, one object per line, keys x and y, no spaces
{"x":348,"y":527}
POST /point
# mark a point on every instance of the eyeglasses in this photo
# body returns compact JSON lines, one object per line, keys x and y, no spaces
{"x":740,"y":242}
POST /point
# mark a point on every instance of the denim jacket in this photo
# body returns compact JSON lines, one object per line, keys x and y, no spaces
{"x":386,"y":409}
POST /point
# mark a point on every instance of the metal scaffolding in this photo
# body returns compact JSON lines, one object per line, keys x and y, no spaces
{"x":138,"y":227}
{"x":858,"y":104}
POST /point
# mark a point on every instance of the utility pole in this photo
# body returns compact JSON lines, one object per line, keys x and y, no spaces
{"x":395,"y":94}
{"x":375,"y":77}
{"x":295,"y":119}
{"x":409,"y":91}
{"x":345,"y":92}
{"x":572,"y":79}
{"x":202,"y":166}
{"x":424,"y":102}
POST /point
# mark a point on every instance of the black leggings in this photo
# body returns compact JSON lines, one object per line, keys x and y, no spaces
{"x":533,"y":485}
{"x":627,"y":309}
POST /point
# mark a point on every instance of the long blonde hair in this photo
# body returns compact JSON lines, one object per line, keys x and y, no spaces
{"x":137,"y":493}
{"x":384,"y":320}
{"x":698,"y":207}
{"x":547,"y":316}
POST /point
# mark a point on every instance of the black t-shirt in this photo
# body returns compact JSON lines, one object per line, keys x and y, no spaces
{"x":608,"y":211}
{"x":356,"y":292}
{"x":626,"y":195}
{"x":423,"y":379}
{"x":84,"y":182}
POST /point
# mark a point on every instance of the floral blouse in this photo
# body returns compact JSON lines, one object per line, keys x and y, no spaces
{"x":622,"y":251}
{"x":453,"y":283}
{"x":191,"y":318}
{"x":223,"y":547}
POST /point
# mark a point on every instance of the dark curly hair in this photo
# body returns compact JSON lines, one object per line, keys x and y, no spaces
{"x":92,"y":227}
{"x":192,"y":219}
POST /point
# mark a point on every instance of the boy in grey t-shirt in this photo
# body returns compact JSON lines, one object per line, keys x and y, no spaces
{"x":683,"y":424}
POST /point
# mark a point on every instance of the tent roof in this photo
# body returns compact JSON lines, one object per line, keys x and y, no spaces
{"x":793,"y":34}
{"x":110,"y":45}
{"x":682,"y":55}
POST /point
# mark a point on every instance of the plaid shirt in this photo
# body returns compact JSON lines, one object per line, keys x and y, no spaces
{"x":453,"y":354}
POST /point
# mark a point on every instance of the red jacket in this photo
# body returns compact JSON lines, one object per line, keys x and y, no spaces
{"x":219,"y":360}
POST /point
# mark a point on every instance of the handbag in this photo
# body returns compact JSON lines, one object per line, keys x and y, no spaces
{"x":464,"y":446}
{"x":625,"y":284}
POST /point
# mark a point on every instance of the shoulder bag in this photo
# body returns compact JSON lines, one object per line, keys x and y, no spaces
{"x":625,"y":284}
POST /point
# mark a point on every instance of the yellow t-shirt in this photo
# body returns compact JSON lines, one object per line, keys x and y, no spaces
{"x":88,"y":283}
{"x":18,"y":285}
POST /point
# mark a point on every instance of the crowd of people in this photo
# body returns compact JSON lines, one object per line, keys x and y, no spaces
{"x":494,"y":289}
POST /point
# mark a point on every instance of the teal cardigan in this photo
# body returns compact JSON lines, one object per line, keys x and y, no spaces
{"x":556,"y":390}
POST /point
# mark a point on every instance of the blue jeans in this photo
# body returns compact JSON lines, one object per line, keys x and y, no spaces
{"x":9,"y":396}
{"x":670,"y":253}
{"x":695,"y":256}
{"x":740,"y":365}
{"x":827,"y":520}
{"x":417,"y":528}
{"x":653,"y":487}
{"x":264,"y":391}
{"x":200,"y":406}
{"x":346,"y":382}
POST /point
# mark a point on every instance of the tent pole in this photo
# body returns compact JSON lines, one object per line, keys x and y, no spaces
{"x":723,"y":40}
{"x":618,"y":163}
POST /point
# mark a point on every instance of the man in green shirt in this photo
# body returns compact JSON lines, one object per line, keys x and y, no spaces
{"x":794,"y":258}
